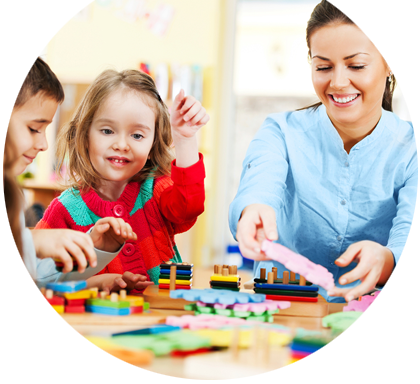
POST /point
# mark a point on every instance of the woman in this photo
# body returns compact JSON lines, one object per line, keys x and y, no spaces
{"x":338,"y":177}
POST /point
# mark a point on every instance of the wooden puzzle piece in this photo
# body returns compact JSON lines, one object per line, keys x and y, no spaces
{"x":159,"y":328}
{"x":315,"y":273}
{"x":107,"y":310}
{"x":267,"y":305}
{"x":58,"y":308}
{"x":67,"y":286}
{"x":209,"y":309}
{"x":283,"y":292}
{"x":362,"y":304}
{"x":74,"y":309}
{"x":83,"y":294}
{"x":231,"y":278}
{"x":288,"y":287}
{"x":216,"y":296}
{"x":293,"y":298}
{"x":108,"y":303}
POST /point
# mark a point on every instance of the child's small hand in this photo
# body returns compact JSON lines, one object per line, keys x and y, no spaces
{"x":257,"y":222}
{"x":62,"y":244}
{"x":375,"y":265}
{"x":110,"y":233}
{"x":127,"y":281}
{"x":187,"y":116}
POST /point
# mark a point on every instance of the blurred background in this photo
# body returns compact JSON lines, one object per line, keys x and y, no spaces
{"x":243,"y":59}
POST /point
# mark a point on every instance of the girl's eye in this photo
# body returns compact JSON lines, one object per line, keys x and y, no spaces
{"x":357,"y":67}
{"x":106,"y":131}
{"x":323,"y":68}
{"x":137,"y":136}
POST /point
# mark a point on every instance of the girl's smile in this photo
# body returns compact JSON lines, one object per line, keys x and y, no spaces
{"x":120,"y":139}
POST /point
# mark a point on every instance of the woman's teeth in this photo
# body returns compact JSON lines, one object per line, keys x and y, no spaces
{"x":118,"y":161}
{"x":344,"y":99}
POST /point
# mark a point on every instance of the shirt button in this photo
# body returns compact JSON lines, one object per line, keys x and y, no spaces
{"x":339,"y":238}
{"x":343,"y":202}
{"x":118,"y":210}
{"x":346,"y":164}
{"x":128,"y":249}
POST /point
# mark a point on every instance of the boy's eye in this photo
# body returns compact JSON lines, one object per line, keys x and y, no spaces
{"x":137,"y":136}
{"x":106,"y":131}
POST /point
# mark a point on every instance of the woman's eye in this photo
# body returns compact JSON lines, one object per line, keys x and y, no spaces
{"x":357,"y":67}
{"x":323,"y":68}
{"x":106,"y":131}
{"x":137,"y":136}
{"x":33,"y":130}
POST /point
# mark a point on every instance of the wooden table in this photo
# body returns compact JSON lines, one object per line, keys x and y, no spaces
{"x":243,"y":363}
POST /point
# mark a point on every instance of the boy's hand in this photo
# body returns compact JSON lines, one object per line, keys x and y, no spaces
{"x":110,"y":233}
{"x":375,"y":265}
{"x":64,"y":244}
{"x":127,"y":281}
{"x":187,"y":116}
{"x":257,"y":223}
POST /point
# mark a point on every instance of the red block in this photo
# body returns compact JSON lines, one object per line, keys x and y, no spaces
{"x":56,"y":300}
{"x":292,"y":298}
{"x":166,"y":286}
{"x":136,"y":309}
{"x":299,"y":355}
{"x":75,"y":302}
{"x":193,"y":352}
{"x":74,"y":309}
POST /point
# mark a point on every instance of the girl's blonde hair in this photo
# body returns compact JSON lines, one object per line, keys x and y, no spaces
{"x":72,"y":140}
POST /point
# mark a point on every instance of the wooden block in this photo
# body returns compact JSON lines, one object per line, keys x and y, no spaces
{"x":231,"y":270}
{"x":233,"y":278}
{"x":76,"y":302}
{"x":292,"y":298}
{"x":285,"y":277}
{"x":274,"y":269}
{"x":55,"y":300}
{"x":172,"y":278}
{"x":262,"y":273}
{"x":160,"y":298}
{"x":270,"y":278}
{"x":235,"y":270}
{"x":58,"y":308}
{"x":74,"y":309}
{"x":219,"y":269}
{"x":85,"y":294}
{"x":166,"y":286}
{"x":123,"y":294}
{"x":43,"y":290}
{"x":292,"y":276}
{"x":102,"y":295}
{"x":136,"y":310}
{"x":177,"y":282}
{"x":114,"y":297}
{"x":225,"y":272}
{"x":49,"y":293}
{"x":225,"y":266}
{"x":215,"y":268}
{"x":302,"y":280}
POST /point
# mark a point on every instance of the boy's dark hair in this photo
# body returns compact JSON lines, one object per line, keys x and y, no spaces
{"x":40,"y":79}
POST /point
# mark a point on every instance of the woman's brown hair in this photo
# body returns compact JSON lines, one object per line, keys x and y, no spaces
{"x":72,"y":140}
{"x":326,"y":14}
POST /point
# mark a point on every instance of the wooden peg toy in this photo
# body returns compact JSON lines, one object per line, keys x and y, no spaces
{"x":172,"y":278}
{"x":302,"y":280}
{"x":225,"y":266}
{"x":123,"y":294}
{"x":225,"y":272}
{"x":185,"y":263}
{"x":274,"y":269}
{"x":215,"y":268}
{"x":232,"y":270}
{"x":292,"y":276}
{"x":114,"y":297}
{"x":270,"y":278}
{"x":262,"y":273}
{"x":43,"y":290}
{"x":168,"y":262}
{"x":286,"y":277}
{"x":102,"y":294}
{"x":49,"y":293}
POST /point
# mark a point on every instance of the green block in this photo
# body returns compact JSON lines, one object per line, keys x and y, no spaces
{"x":178,"y":277}
{"x":190,"y":307}
{"x":256,"y":318}
{"x":205,"y":310}
{"x":224,"y":312}
{"x":340,"y":321}
{"x":108,"y":303}
{"x":241,"y":314}
{"x":146,"y":306}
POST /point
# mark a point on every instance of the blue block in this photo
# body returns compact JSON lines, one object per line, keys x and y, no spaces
{"x":159,"y":328}
{"x":289,"y":287}
{"x":212,"y":296}
{"x":67,"y":286}
{"x":298,"y":347}
{"x":107,"y":310}
{"x":178,"y":272}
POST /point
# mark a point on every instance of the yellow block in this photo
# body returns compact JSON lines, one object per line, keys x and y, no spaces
{"x":179,"y":282}
{"x":135,"y":301}
{"x":232,"y":278}
{"x":58,"y":308}
{"x":85,"y":294}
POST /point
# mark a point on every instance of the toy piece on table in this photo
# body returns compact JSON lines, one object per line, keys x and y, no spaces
{"x":225,"y":277}
{"x":175,"y":275}
{"x":56,"y":302}
{"x":129,"y":355}
{"x":59,"y":265}
{"x":115,"y":304}
{"x":137,"y":303}
{"x":340,"y":321}
{"x":64,"y":295}
{"x":315,"y":273}
{"x":276,"y":289}
{"x":250,"y":311}
{"x":307,"y":342}
{"x":216,"y":296}
{"x":362,"y":303}
{"x":67,"y":286}
{"x":159,"y":328}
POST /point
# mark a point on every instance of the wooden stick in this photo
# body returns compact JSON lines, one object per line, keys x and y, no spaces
{"x":262,"y":273}
{"x":215,"y":268}
{"x":286,"y":277}
{"x":231,"y":269}
{"x":292,"y":276}
{"x":114,"y":297}
{"x":102,"y":295}
{"x":225,"y":266}
{"x":123,"y":294}
{"x":274,"y":269}
{"x":225,"y":272}
{"x":219,"y":269}
{"x":49,"y":293}
{"x":235,"y":269}
{"x":270,"y":278}
{"x":172,"y":278}
{"x":302,"y":280}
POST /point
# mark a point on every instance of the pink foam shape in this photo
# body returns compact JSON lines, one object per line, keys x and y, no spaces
{"x":362,"y":305}
{"x":315,"y":273}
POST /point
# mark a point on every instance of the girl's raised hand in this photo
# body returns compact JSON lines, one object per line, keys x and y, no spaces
{"x":64,"y":244}
{"x":257,"y":223}
{"x":187,"y":116}
{"x":110,"y":233}
{"x":375,"y":265}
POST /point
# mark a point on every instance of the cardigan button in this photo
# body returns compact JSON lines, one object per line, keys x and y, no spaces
{"x":118,"y":210}
{"x":128,"y":249}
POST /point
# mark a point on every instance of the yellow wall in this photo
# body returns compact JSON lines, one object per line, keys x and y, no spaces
{"x":97,"y":39}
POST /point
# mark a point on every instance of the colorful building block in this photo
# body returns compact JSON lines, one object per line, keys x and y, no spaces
{"x":159,"y":328}
{"x":67,"y":286}
{"x":107,"y":310}
{"x":216,"y":296}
